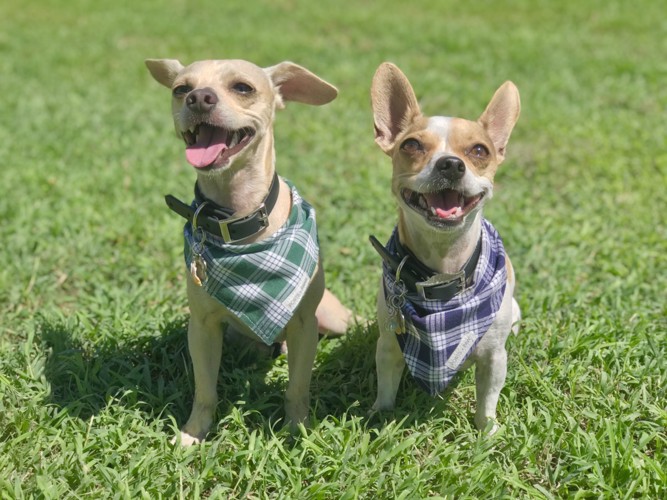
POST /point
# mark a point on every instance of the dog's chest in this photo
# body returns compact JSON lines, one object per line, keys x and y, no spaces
{"x":440,"y":336}
{"x":262,"y":283}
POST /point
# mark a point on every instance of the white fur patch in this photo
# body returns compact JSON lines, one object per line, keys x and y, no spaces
{"x":440,"y":126}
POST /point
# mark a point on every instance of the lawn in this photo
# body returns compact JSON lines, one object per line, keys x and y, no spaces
{"x":95,"y":377}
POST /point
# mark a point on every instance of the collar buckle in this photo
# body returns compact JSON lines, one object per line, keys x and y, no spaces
{"x":261,"y":214}
{"x":458,"y":280}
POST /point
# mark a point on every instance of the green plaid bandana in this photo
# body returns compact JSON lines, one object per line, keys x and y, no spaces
{"x":263,"y":283}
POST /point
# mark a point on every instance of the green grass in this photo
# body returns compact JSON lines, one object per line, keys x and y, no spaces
{"x":94,"y":372}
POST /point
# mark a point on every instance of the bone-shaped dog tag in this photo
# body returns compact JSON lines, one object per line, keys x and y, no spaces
{"x":198,"y":270}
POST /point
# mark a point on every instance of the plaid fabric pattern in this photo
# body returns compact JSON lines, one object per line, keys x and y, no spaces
{"x":262,"y":283}
{"x":440,"y":336}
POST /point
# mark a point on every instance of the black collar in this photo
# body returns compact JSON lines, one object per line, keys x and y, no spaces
{"x":421,"y":280}
{"x":220,"y":221}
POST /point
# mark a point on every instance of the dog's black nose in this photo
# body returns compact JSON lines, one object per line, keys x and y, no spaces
{"x":201,"y":100}
{"x":450,"y":167}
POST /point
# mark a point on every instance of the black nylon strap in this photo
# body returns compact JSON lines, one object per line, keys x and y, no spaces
{"x":414,"y":273}
{"x":214,"y":218}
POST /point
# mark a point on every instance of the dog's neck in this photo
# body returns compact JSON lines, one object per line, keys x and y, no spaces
{"x":242,"y":187}
{"x":442,"y":251}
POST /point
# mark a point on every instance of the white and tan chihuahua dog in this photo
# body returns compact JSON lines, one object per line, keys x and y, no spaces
{"x":446,"y":296}
{"x":250,"y":240}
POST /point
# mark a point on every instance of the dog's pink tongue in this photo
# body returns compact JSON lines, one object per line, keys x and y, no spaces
{"x":446,"y":203}
{"x":211,"y":141}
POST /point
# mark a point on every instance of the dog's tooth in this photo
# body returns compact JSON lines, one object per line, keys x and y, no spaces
{"x":188,"y":137}
{"x":433,"y":212}
{"x":462,"y":200}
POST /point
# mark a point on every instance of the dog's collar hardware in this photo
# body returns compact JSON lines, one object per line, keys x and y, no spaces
{"x":220,"y":221}
{"x":261,"y":216}
{"x":455,"y":281}
{"x":423,"y":281}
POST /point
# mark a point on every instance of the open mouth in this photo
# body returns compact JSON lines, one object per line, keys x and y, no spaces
{"x":206,"y":144}
{"x":444,"y":207}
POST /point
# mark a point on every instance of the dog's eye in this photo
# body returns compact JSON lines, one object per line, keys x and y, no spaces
{"x":479,"y":151}
{"x":411,"y":146}
{"x":242,"y":88}
{"x":181,"y":90}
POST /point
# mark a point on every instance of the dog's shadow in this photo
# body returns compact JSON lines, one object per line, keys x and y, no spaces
{"x":154,"y":373}
{"x":149,"y":372}
{"x":345,"y":383}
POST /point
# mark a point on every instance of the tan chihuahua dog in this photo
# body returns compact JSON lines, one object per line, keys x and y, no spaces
{"x":445,"y":300}
{"x":251,"y":241}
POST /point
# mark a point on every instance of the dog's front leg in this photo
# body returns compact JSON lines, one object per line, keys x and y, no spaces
{"x":389,"y":360}
{"x":389,"y":366}
{"x":205,"y":345}
{"x":490,"y":372}
{"x":490,"y":357}
{"x":302,"y":337}
{"x":301,"y":333}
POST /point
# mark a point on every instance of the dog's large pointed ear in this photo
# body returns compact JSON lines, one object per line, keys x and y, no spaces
{"x":501,"y":115}
{"x":394,"y":104}
{"x":296,"y":83}
{"x":164,"y":70}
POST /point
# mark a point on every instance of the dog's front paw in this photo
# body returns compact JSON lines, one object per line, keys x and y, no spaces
{"x":185,"y":439}
{"x":295,"y":417}
{"x":487,"y":425}
{"x":381,"y":405}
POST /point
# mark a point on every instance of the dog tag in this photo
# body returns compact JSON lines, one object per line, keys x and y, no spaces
{"x":198,"y":270}
{"x":397,"y":323}
{"x":395,"y":305}
{"x":198,"y":264}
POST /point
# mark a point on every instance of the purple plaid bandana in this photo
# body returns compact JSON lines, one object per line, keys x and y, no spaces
{"x":440,"y":336}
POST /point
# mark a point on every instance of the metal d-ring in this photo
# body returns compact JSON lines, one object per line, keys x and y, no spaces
{"x":399,"y":268}
{"x":198,"y":233}
{"x":399,"y":287}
